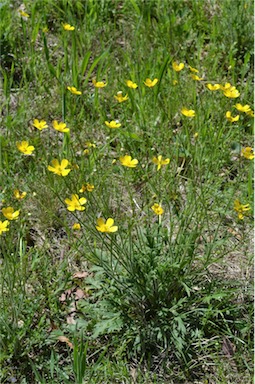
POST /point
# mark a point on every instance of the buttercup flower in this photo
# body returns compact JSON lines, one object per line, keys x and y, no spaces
{"x":128,"y":162}
{"x":248,"y":153}
{"x":241,"y":209}
{"x":112,"y":124}
{"x":74,"y":91}
{"x":10,"y":214}
{"x":150,"y":83}
{"x":157,"y":209}
{"x":59,"y":168}
{"x":130,"y":84}
{"x":68,"y":27}
{"x":188,"y":112}
{"x":175,"y":82}
{"x":213,"y":87}
{"x":75,"y":166}
{"x":90,"y":145}
{"x":24,"y":147}
{"x":40,"y":124}
{"x":193,"y":69}
{"x":231,"y":118}
{"x":120,"y":98}
{"x":90,"y":187}
{"x":19,"y":195}
{"x":159,"y":161}
{"x":3,"y":226}
{"x":76,"y":226}
{"x":177,"y":67}
{"x":231,"y":93}
{"x":196,"y":77}
{"x":107,"y":226}
{"x":61,"y":127}
{"x":24,"y":14}
{"x":87,"y":187}
{"x":243,"y":108}
{"x":250,"y":113}
{"x":225,"y":87}
{"x":99,"y":84}
{"x":75,"y":203}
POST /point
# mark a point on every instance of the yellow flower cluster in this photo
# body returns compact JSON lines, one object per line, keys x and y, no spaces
{"x":63,"y":167}
{"x":228,"y":90}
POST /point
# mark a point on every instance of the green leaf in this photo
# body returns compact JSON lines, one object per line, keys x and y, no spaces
{"x":131,"y":135}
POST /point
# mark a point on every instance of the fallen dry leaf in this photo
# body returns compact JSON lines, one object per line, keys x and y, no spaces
{"x":70,"y":320}
{"x":79,"y":294}
{"x":80,"y":275}
{"x":65,"y":295}
{"x":64,"y":339}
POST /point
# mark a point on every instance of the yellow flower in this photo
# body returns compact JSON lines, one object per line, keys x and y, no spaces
{"x":61,"y":127}
{"x":112,"y":124}
{"x":159,"y":161}
{"x":68,"y":27}
{"x":177,"y":67}
{"x":107,"y":226}
{"x":76,"y":226}
{"x":130,"y":84}
{"x":23,"y":14}
{"x":231,"y":118}
{"x":45,"y":29}
{"x":241,"y":209}
{"x":40,"y":124}
{"x":59,"y":168}
{"x":157,"y":209}
{"x":19,"y":195}
{"x":10,"y":214}
{"x":196,"y":77}
{"x":90,"y":187}
{"x":128,"y":162}
{"x":75,"y":203}
{"x":213,"y":87}
{"x":231,"y":93}
{"x":188,"y":112}
{"x":225,"y":87}
{"x":193,"y":69}
{"x":75,"y":166}
{"x":3,"y":226}
{"x":243,"y":108}
{"x":74,"y":91}
{"x":87,"y":187}
{"x":24,"y":147}
{"x":250,"y":113}
{"x":90,"y":145}
{"x":150,"y":83}
{"x":120,"y":98}
{"x":248,"y":153}
{"x":99,"y":84}
{"x":175,"y":82}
